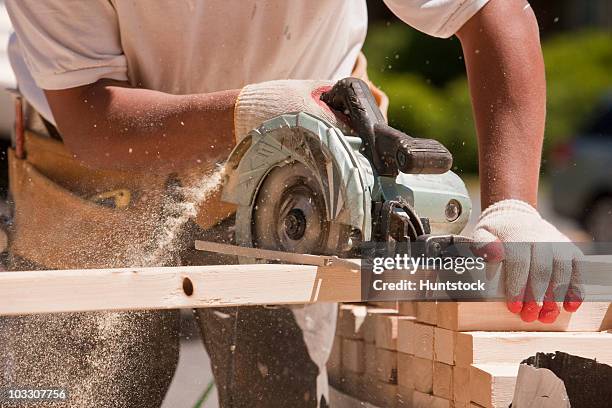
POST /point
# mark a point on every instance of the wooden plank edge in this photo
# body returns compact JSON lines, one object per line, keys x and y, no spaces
{"x":79,"y":290}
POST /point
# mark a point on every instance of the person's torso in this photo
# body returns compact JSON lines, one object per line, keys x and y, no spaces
{"x":190,"y":46}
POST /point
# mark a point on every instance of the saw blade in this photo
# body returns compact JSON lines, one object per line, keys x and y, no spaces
{"x":289,"y":214}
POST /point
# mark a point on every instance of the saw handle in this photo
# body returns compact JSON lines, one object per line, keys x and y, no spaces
{"x":352,"y":97}
{"x":411,"y":155}
{"x":389,"y":150}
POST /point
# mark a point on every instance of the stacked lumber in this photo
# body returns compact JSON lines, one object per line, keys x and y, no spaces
{"x":452,"y":354}
{"x":363,"y":363}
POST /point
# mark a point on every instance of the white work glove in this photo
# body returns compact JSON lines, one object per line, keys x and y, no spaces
{"x":260,"y":102}
{"x":539,"y":263}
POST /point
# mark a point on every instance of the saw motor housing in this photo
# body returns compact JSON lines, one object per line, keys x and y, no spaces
{"x":301,"y":185}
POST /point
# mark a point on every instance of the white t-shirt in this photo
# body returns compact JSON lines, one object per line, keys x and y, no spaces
{"x":197,"y":46}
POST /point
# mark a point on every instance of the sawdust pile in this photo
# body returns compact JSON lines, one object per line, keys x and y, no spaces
{"x":107,"y":359}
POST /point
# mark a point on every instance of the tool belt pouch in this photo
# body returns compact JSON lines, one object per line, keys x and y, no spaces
{"x":57,"y":225}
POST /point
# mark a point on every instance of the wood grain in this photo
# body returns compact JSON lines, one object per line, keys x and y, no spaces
{"x":514,"y":347}
{"x":53,"y":291}
{"x":443,"y":380}
{"x":494,"y":316}
{"x":492,"y":386}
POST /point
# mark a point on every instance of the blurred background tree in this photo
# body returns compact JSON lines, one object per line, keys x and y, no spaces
{"x":425,"y":76}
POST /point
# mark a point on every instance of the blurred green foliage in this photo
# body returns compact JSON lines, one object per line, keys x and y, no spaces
{"x":425,"y":80}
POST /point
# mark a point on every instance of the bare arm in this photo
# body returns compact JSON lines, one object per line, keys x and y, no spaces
{"x":505,"y":71}
{"x":111,"y":125}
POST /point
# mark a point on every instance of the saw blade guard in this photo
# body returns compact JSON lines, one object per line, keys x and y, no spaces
{"x":298,"y":155}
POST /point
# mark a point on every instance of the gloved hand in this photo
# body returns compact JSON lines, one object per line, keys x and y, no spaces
{"x":260,"y":102}
{"x":539,"y":263}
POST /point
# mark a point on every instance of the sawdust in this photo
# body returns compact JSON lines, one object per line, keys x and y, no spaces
{"x":107,"y":359}
{"x":181,"y":204}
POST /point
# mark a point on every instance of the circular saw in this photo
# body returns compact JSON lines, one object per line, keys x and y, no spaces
{"x":303,"y":186}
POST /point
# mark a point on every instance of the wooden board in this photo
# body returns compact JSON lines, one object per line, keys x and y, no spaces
{"x":406,"y":335}
{"x":423,"y":341}
{"x":426,"y":312}
{"x":423,"y":374}
{"x":437,"y":402}
{"x":494,"y":316}
{"x":444,"y":345}
{"x":514,"y":347}
{"x":386,"y":365}
{"x":461,"y":384}
{"x":421,"y":399}
{"x":384,"y":305}
{"x":370,"y":360}
{"x":405,"y":370}
{"x":353,"y":358}
{"x":443,"y":380}
{"x":339,"y":399}
{"x":492,"y":386}
{"x":364,"y":391}
{"x":407,"y":308}
{"x":381,"y":393}
{"x":368,"y":328}
{"x":27,"y":292}
{"x":404,"y":397}
{"x":351,"y":384}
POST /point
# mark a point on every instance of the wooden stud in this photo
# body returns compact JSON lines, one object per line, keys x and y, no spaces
{"x":384,"y":305}
{"x":444,"y":345}
{"x":423,"y":374}
{"x":352,"y":384}
{"x":80,"y":290}
{"x":353,"y":356}
{"x":443,"y":380}
{"x":513,"y":347}
{"x":426,"y":312}
{"x":340,"y":399}
{"x":404,"y":397}
{"x":494,"y":316}
{"x":382,"y":394}
{"x":370,"y":359}
{"x":424,"y":341}
{"x":405,"y":370}
{"x":386,"y":365}
{"x":407,"y":308}
{"x":461,"y":384}
{"x":368,"y":328}
{"x":406,"y":335}
{"x":421,"y":399}
{"x":437,"y":402}
{"x":492,"y":386}
{"x":463,"y":349}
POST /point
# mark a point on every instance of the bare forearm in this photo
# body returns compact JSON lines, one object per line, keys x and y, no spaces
{"x":507,"y":84}
{"x":111,"y":125}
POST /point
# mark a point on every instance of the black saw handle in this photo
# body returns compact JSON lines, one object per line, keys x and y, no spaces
{"x":389,"y":150}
